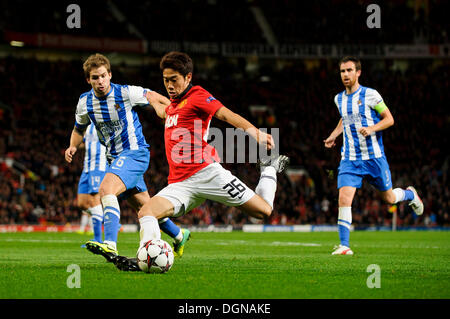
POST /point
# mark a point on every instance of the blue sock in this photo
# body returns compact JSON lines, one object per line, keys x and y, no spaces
{"x":97,"y":225}
{"x":169,"y":227}
{"x":111,"y":225}
{"x":344,"y":235}
{"x":409,"y":195}
{"x":111,"y":210}
{"x":97,"y":221}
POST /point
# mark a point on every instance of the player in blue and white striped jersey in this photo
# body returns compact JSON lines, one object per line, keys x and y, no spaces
{"x":364,"y":115}
{"x":110,"y":107}
{"x":94,"y":169}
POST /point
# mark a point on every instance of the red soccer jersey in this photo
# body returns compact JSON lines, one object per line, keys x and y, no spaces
{"x":186,"y":132}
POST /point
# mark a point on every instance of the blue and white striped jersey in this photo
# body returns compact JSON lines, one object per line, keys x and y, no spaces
{"x":116,"y":121}
{"x":358,"y":110}
{"x":94,"y":153}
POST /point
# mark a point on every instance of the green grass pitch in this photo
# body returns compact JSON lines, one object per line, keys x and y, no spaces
{"x":237,"y":265}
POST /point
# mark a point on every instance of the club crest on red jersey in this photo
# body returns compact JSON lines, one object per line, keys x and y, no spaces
{"x":172,"y":120}
{"x":182,"y":104}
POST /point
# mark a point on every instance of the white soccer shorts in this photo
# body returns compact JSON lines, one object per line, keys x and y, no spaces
{"x":212,"y":182}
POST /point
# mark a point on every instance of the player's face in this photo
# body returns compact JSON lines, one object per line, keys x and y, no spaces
{"x":349,"y":75}
{"x":175,"y":83}
{"x":100,"y":80}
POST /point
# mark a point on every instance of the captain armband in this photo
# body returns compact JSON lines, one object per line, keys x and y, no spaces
{"x":380,"y":107}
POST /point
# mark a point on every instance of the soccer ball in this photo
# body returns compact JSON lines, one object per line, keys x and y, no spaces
{"x":156,"y":256}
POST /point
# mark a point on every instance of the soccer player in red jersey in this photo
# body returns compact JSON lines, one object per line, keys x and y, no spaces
{"x":194,"y":170}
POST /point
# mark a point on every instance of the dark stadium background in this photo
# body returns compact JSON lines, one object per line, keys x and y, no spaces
{"x":279,"y":54}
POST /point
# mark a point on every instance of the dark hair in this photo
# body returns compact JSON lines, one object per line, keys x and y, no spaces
{"x":95,"y":61}
{"x":178,"y":61}
{"x":353,"y":59}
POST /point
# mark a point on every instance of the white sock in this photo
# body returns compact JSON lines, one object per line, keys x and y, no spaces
{"x":84,"y":220}
{"x":97,"y":212}
{"x":267,"y":185}
{"x":149,"y":229}
{"x":345,"y":216}
{"x":110,"y":201}
{"x":399,"y":194}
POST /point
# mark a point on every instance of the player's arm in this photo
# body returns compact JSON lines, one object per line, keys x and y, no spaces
{"x":158,"y":102}
{"x":234,"y":119}
{"x":387,"y":120}
{"x":76,"y":138}
{"x":331,"y":140}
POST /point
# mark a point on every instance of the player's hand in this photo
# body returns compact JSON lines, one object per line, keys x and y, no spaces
{"x":365,"y":131}
{"x":265,"y":139}
{"x":330,"y":142}
{"x":69,"y":153}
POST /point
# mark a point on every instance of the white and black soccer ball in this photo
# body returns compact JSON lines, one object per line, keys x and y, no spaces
{"x":156,"y":256}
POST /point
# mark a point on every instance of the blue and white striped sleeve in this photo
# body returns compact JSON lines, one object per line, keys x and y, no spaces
{"x":82,"y":119}
{"x":373,"y":98}
{"x":137,"y":95}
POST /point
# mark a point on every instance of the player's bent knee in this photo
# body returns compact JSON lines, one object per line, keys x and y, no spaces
{"x":95,"y":200}
{"x":257,"y":207}
{"x":157,"y":207}
{"x":267,"y":211}
{"x":389,"y":198}
{"x":83,"y":205}
{"x":106,"y":191}
{"x":83,"y":202}
{"x":102,"y":192}
{"x":146,"y":210}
